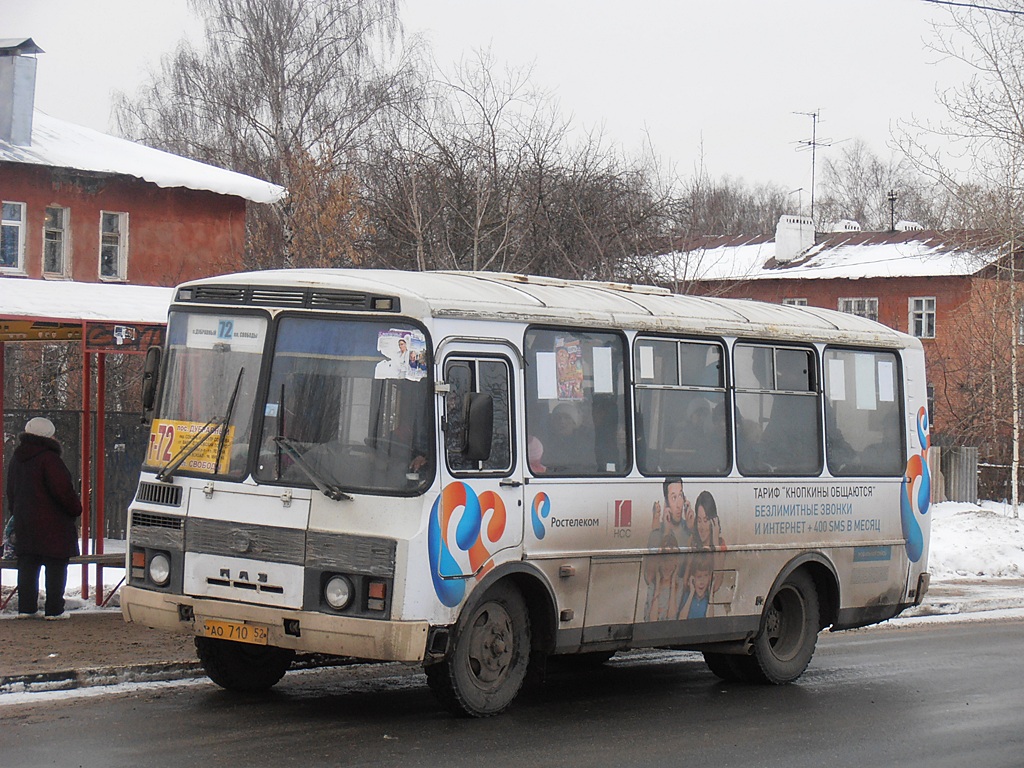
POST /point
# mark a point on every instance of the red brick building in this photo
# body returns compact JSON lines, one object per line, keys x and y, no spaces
{"x":80,"y":205}
{"x":944,"y":287}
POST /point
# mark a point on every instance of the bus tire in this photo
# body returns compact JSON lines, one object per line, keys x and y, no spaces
{"x":727,"y":666}
{"x":489,"y":656}
{"x":240,"y":666}
{"x":789,"y":632}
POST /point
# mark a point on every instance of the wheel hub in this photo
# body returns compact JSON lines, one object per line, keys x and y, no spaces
{"x":490,"y":651}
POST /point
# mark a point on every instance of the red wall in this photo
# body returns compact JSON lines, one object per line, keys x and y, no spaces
{"x":174,"y":234}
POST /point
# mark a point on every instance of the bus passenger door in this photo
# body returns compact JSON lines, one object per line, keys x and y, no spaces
{"x":480,"y":510}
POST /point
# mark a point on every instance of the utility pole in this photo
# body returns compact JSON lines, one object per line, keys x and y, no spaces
{"x":892,"y":197}
{"x":812,"y":144}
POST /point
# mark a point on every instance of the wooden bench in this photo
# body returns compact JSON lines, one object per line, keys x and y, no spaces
{"x":115,"y":560}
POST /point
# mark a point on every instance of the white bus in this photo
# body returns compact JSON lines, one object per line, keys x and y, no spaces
{"x":476,"y":471}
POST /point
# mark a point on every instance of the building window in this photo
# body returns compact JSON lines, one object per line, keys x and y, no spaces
{"x":794,"y":302}
{"x":113,"y":246}
{"x":860,"y":307}
{"x":922,"y":317}
{"x":55,"y":241}
{"x":12,"y":237}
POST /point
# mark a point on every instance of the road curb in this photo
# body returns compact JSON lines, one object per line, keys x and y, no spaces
{"x":83,"y":678}
{"x":69,"y":680}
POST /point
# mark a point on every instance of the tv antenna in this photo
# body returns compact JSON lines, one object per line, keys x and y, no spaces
{"x":812,"y":144}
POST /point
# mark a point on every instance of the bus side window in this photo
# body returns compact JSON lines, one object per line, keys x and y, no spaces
{"x":863,"y":434}
{"x":680,"y":408}
{"x":576,"y":403}
{"x":778,"y":430}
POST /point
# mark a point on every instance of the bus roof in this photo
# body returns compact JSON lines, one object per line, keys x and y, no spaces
{"x":532,"y":299}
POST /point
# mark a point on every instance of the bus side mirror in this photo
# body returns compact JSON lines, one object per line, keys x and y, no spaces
{"x":150,"y":380}
{"x":479,"y":426}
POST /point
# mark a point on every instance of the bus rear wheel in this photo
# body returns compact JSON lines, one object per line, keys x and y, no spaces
{"x":789,"y":633}
{"x":487,"y":663}
{"x":240,"y":666}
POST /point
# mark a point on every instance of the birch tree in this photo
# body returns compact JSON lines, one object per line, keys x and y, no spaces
{"x":982,"y":140}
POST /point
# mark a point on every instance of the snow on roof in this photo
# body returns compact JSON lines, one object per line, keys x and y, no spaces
{"x":846,"y":255}
{"x":66,"y":300}
{"x":64,"y":145}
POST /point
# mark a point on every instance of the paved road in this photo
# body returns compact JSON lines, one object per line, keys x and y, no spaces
{"x":939,"y":695}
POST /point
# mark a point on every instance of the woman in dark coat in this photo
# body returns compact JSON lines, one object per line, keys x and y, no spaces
{"x":41,"y":496}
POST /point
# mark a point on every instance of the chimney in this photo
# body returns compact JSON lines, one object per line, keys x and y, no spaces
{"x":17,"y":89}
{"x":794,"y":235}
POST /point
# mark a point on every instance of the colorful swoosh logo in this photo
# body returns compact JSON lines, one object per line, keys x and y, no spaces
{"x":916,"y":491}
{"x":539,"y":511}
{"x":460,"y":505}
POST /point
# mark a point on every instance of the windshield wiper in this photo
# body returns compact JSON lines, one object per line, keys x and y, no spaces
{"x":329,"y":490}
{"x":200,"y":438}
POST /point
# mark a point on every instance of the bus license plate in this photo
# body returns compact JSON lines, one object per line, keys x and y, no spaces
{"x":255,"y":634}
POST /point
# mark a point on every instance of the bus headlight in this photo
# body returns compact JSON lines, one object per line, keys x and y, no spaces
{"x":160,"y":569}
{"x":338,"y":592}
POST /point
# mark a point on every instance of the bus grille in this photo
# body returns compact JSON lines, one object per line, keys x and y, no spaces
{"x":260,"y":542}
{"x":160,"y":493}
{"x":280,"y":296}
{"x":149,"y":520}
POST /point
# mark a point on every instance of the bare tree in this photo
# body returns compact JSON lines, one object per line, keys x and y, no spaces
{"x":480,"y":173}
{"x":283,"y":90}
{"x":857,"y":185}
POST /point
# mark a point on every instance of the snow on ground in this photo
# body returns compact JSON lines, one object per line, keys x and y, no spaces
{"x":969,"y":541}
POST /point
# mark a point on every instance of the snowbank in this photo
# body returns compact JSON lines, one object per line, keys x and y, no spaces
{"x":970,"y":541}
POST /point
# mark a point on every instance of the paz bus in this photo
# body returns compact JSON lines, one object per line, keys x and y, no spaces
{"x":477,"y":471}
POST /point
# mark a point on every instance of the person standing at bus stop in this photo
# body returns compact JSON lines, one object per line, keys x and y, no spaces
{"x":42,"y":498}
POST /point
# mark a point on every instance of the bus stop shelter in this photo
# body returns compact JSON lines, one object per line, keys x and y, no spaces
{"x":103,"y":319}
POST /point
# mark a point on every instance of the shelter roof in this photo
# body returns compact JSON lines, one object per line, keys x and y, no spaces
{"x":67,"y":300}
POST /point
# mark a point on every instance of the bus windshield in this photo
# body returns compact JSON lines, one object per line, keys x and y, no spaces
{"x":209,"y":388}
{"x":348,"y":407}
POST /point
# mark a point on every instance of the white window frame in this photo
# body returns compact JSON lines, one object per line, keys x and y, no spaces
{"x":868,"y":306}
{"x":794,"y":302}
{"x":922,"y":310}
{"x":64,"y":230}
{"x":122,"y":247}
{"x":18,"y":268}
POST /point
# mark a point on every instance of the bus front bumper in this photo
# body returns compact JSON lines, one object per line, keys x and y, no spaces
{"x":301,"y":630}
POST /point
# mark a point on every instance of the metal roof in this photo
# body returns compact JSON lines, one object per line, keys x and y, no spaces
{"x":15,"y":46}
{"x":529,"y":299}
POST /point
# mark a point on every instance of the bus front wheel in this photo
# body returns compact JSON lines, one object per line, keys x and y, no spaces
{"x":240,"y":666}
{"x":487,"y":663}
{"x":789,"y":632}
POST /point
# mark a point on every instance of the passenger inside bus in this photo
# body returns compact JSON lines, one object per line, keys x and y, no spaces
{"x":561,"y":440}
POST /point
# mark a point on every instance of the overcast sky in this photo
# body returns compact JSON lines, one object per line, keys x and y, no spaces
{"x":720,"y":77}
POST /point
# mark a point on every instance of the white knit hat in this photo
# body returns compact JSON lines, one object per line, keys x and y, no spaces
{"x":40,"y":427}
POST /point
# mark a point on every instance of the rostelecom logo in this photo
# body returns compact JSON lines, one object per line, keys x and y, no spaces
{"x":540,"y":509}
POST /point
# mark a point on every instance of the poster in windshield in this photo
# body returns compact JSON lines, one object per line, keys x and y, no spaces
{"x":204,"y":448}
